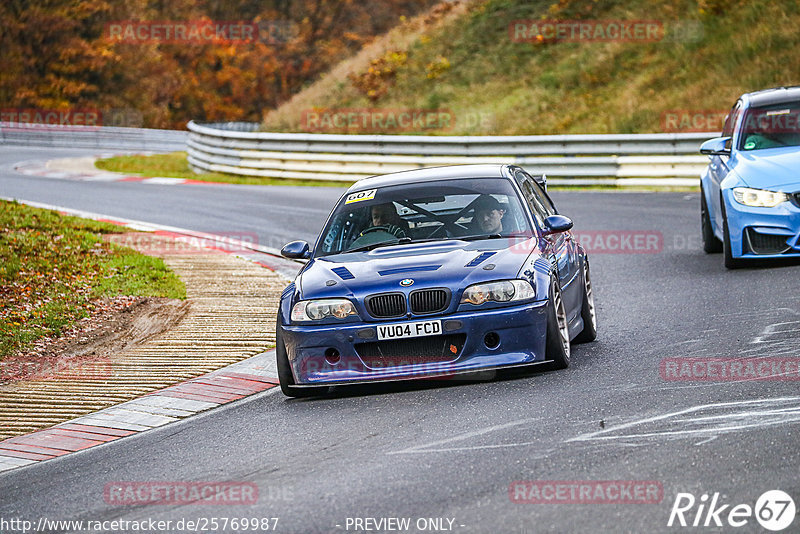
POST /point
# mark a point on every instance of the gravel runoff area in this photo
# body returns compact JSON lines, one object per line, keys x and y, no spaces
{"x":228,"y":316}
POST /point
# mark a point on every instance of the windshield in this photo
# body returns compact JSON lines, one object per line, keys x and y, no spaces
{"x":475,"y":208}
{"x":771,"y":126}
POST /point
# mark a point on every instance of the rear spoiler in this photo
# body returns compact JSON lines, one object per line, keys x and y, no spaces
{"x":540,"y":179}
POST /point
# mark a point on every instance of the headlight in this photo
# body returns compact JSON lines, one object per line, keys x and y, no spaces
{"x":758,"y":197}
{"x":504,"y":291}
{"x":316,"y":310}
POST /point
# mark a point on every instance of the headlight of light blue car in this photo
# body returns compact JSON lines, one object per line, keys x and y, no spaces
{"x":759,"y":198}
{"x":317,"y":310}
{"x":502,"y":291}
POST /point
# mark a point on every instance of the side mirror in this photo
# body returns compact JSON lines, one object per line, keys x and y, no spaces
{"x":296,"y":250}
{"x":555,"y":224}
{"x":719,"y":146}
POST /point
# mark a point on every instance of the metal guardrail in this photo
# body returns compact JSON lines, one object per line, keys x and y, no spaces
{"x":104,"y":138}
{"x":667,"y":159}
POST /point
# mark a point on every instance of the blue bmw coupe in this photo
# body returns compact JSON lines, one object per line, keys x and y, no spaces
{"x":750,"y":191}
{"x":433,"y":273}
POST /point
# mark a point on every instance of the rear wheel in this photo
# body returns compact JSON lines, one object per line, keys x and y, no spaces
{"x":288,"y":386}
{"x":711,"y":244}
{"x":557,"y":345}
{"x":588,"y":313}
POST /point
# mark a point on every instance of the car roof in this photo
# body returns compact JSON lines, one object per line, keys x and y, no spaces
{"x":776,"y":95}
{"x":429,"y":174}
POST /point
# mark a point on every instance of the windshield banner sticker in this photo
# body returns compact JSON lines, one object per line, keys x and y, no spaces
{"x":369,"y":194}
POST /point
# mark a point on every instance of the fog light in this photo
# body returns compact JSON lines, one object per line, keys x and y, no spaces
{"x":491,"y":340}
{"x":332,"y":355}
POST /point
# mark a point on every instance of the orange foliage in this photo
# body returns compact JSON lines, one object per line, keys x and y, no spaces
{"x":59,"y":54}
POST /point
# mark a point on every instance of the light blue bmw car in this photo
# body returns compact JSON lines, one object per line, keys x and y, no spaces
{"x":750,"y":191}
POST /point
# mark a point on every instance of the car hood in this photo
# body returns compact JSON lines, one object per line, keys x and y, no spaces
{"x":777,"y":169}
{"x":454,"y":264}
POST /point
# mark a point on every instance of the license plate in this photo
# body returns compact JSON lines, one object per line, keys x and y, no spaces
{"x":411,"y":329}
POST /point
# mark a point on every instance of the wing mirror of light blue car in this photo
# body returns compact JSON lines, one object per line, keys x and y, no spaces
{"x":719,"y":146}
{"x":296,"y":250}
{"x":555,"y":224}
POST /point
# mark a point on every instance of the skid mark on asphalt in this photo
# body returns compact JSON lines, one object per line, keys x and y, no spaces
{"x":435,"y":446}
{"x":777,"y":339}
{"x":758,"y":313}
{"x":702,"y":421}
{"x":709,"y":440}
{"x":771,"y":332}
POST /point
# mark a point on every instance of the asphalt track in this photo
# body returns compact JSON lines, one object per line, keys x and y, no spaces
{"x":452,"y":449}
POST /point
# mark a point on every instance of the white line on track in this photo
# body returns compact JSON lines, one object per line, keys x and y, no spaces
{"x":467,"y":435}
{"x":738,"y":416}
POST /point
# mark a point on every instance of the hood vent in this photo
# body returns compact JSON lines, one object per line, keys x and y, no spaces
{"x":403,"y":270}
{"x":343,"y":273}
{"x":480,"y":258}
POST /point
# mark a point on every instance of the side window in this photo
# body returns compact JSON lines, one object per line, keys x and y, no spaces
{"x":730,"y":120}
{"x":539,"y":213}
{"x":543,"y":199}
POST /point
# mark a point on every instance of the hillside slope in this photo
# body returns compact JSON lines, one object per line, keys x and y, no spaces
{"x":467,"y":63}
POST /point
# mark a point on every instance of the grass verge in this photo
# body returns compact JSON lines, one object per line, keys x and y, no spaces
{"x":174,"y":165}
{"x":54,"y":267}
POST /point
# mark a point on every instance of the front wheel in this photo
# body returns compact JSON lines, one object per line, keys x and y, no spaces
{"x":588,"y":313}
{"x":285,"y":377}
{"x":557,"y":346}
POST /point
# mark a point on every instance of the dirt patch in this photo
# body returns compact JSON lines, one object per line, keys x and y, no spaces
{"x":86,"y":350}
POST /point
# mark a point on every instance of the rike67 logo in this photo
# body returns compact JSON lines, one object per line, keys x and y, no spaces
{"x":774,"y":510}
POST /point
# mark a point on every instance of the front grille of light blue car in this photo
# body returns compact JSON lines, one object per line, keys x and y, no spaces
{"x":766,"y":243}
{"x":417,"y":350}
{"x":796,"y":198}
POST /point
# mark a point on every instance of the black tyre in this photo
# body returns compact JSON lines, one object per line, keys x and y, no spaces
{"x":285,"y":372}
{"x":557,"y":345}
{"x":728,"y":259}
{"x":588,"y":312}
{"x":711,"y":245}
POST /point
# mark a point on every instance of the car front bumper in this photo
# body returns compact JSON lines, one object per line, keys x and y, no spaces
{"x":345,"y":354}
{"x":763,"y":232}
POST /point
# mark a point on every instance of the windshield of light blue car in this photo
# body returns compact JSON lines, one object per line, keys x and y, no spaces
{"x":771,"y":126}
{"x":470,"y":209}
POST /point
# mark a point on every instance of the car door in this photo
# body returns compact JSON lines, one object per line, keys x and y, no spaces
{"x":718,"y":167}
{"x":566,"y":246}
{"x":563,"y":246}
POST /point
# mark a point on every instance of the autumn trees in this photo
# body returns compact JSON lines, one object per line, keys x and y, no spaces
{"x":60,"y":54}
